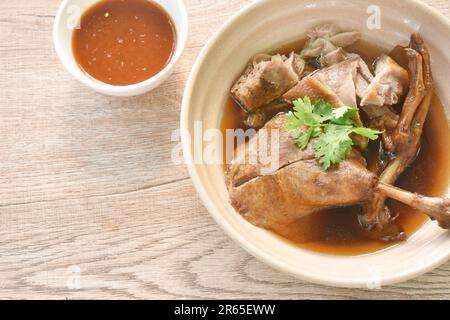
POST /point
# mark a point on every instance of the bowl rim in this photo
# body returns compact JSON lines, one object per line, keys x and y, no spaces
{"x":140,"y":87}
{"x":211,"y":207}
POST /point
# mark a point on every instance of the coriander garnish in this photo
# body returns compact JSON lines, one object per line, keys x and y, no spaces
{"x":331,"y":127}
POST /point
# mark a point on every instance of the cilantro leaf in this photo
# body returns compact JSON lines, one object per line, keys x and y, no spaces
{"x":344,"y":116}
{"x":367,"y":132}
{"x":323,"y":110}
{"x":334,"y":145}
{"x":331,"y":127}
{"x":340,"y":112}
{"x":303,"y":111}
{"x":302,"y":138}
{"x":293,"y":122}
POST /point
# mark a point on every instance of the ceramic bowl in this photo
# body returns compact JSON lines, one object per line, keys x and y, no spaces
{"x":265,"y":25}
{"x":62,"y":38}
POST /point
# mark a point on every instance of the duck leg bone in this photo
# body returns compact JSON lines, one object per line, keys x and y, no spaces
{"x":436,"y":208}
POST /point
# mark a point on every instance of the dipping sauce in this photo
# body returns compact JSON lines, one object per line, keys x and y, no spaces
{"x":124,"y":42}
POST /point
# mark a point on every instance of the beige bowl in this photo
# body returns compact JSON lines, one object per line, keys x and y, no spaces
{"x":266,"y":25}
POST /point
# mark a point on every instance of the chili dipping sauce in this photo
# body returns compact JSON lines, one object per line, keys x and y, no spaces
{"x":124,"y":42}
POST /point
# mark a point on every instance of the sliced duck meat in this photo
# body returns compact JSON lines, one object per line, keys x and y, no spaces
{"x":299,"y":65}
{"x":315,"y":90}
{"x":363,"y":78}
{"x":361,"y":87}
{"x":334,"y":84}
{"x":309,"y":69}
{"x":363,"y":68}
{"x":333,"y":57}
{"x":339,"y":78}
{"x":265,"y":80}
{"x":244,"y":167}
{"x":389,"y":85}
{"x":258,"y":118}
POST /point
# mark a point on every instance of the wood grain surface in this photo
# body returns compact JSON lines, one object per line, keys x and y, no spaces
{"x":91,"y":205}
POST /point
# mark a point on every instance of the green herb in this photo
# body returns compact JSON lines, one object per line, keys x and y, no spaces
{"x":331,"y":127}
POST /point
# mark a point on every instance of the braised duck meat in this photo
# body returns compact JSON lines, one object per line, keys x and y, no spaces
{"x":333,"y":57}
{"x":388,"y":86}
{"x":268,"y":77}
{"x":335,"y":83}
{"x":258,"y":118}
{"x":299,"y":187}
{"x":265,"y":80}
{"x":267,"y":196}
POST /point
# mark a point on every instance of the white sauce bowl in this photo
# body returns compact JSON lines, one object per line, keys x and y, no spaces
{"x":63,"y":28}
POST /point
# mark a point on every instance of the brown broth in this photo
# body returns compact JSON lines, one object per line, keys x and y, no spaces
{"x":123,"y":42}
{"x":337,"y":231}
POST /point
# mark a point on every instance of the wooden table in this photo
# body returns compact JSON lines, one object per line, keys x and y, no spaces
{"x":91,"y":205}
